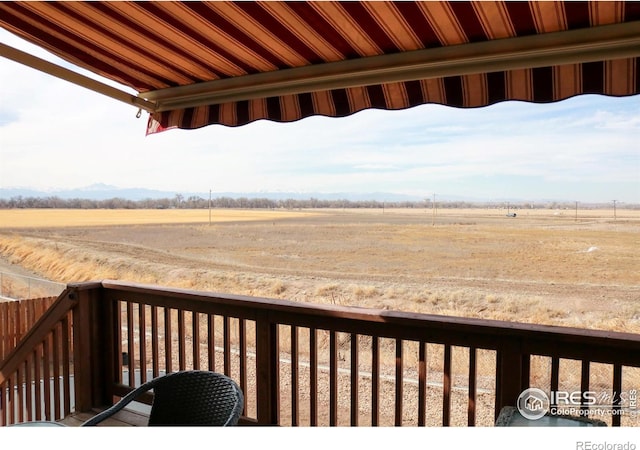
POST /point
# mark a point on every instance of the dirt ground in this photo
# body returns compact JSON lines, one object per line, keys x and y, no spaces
{"x":543,"y":266}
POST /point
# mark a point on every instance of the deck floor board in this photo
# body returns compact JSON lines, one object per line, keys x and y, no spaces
{"x":124,"y":418}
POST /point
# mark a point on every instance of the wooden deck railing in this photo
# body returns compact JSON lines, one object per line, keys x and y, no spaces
{"x":303,"y":364}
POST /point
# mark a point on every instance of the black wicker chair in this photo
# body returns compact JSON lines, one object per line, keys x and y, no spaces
{"x":193,"y":397}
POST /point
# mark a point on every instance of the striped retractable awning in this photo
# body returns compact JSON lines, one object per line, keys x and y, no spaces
{"x":200,"y":63}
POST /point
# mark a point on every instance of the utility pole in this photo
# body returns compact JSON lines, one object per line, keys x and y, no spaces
{"x":209,"y":207}
{"x":614,"y":210}
{"x":576,"y":211}
{"x":434,"y":210}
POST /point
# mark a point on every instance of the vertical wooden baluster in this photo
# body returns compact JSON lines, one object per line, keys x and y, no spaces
{"x":119,"y":375}
{"x":142,"y":337}
{"x":525,"y":382}
{"x":333,"y":379}
{"x":422,"y":384}
{"x":11,"y":399}
{"x":131,"y":345}
{"x":155,"y":347}
{"x":375,"y":381}
{"x":211,"y":341}
{"x":313,"y":376}
{"x":66,"y":361}
{"x":56,"y":372}
{"x":39,"y":380}
{"x":226,"y":330}
{"x":446,"y":394}
{"x":46,"y":364}
{"x":195,"y":339}
{"x":584,"y":384}
{"x":3,"y":403}
{"x":617,"y":395}
{"x":295,"y":376}
{"x":29,"y":383}
{"x":182,"y":341}
{"x":19,"y":398}
{"x":399,"y":383}
{"x":242,"y":330}
{"x":471,"y":412}
{"x":355,"y":380}
{"x":168,"y":338}
{"x":555,"y":373}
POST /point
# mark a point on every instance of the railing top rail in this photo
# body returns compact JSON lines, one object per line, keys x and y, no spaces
{"x":494,"y":329}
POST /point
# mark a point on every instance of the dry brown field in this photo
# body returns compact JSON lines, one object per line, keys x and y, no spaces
{"x":543,"y":266}
{"x":561,"y":267}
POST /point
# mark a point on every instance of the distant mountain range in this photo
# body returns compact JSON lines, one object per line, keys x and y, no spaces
{"x":102,"y":191}
{"x":106,"y":192}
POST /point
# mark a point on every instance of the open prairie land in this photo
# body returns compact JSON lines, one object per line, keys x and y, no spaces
{"x":562,"y":267}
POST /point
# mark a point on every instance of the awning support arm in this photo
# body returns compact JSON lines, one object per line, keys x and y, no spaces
{"x":68,"y":75}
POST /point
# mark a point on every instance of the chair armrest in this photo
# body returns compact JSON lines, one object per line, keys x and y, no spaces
{"x":124,"y":401}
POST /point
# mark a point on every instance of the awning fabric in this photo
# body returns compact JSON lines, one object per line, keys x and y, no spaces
{"x":152,"y":46}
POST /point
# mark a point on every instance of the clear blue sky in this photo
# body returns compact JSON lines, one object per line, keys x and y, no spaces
{"x":54,"y":135}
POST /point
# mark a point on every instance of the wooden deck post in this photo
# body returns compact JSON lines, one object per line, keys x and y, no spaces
{"x":512,"y":373}
{"x":267,"y":371}
{"x":94,"y":356}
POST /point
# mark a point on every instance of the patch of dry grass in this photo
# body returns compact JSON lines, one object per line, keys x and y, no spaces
{"x":539,"y":268}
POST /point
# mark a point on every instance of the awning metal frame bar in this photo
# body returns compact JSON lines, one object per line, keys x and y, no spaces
{"x":565,"y":47}
{"x":605,"y":42}
{"x":74,"y":77}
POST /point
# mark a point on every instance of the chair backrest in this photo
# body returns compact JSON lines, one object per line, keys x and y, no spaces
{"x":196,"y":398}
{"x":192,"y":397}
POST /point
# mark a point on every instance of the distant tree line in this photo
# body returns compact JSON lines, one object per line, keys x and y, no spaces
{"x":194,"y":202}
